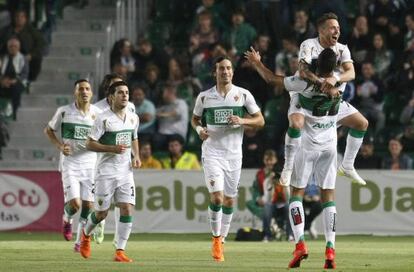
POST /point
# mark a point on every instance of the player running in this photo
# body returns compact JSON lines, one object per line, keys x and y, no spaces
{"x":77,"y":164}
{"x":223,"y":108}
{"x":114,"y":136}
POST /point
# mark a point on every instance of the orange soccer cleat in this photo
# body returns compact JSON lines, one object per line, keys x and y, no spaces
{"x":121,"y":257}
{"x":300,"y":253}
{"x":330,"y":258}
{"x":217,"y":249}
{"x":85,"y":245}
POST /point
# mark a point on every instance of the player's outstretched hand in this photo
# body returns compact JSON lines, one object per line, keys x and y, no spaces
{"x":119,"y":149}
{"x":136,"y":163}
{"x":66,"y":150}
{"x":252,"y":56}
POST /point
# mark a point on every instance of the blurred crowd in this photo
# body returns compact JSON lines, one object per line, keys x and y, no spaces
{"x":172,"y":62}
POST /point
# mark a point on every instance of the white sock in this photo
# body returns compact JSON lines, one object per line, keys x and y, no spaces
{"x":117,"y":214}
{"x":225,"y":221}
{"x":329,"y":223}
{"x":81,"y":224}
{"x":123,"y":232}
{"x":292,"y":145}
{"x":297,"y":219}
{"x":90,"y":224}
{"x":215,"y":219}
{"x":351,"y":150}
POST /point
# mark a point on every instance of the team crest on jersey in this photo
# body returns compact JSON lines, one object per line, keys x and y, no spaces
{"x":100,"y":202}
{"x":298,"y":106}
{"x":212,"y":183}
{"x":236,"y":98}
{"x":93,"y":116}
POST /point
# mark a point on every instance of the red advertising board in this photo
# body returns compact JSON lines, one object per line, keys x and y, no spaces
{"x":31,"y":201}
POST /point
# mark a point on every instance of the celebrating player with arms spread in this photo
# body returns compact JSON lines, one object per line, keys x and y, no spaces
{"x":223,"y":109}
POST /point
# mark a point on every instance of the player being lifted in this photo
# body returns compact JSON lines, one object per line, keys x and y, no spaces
{"x":223,"y":109}
{"x":104,"y":105}
{"x":77,"y":164}
{"x":329,"y":31}
{"x":114,"y":136}
{"x":317,"y":156}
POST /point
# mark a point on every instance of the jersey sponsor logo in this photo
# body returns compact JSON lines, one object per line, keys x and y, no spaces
{"x":222,"y":116}
{"x":81,"y":133}
{"x":296,"y":216}
{"x":324,"y":125}
{"x":123,"y":138}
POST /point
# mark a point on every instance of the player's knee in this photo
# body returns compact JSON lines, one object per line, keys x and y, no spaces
{"x":75,"y":204}
{"x":228,"y":201}
{"x":216,"y":198}
{"x":364,"y":123}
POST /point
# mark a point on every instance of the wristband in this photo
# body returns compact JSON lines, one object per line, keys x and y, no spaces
{"x":199,"y":129}
{"x":338,"y":79}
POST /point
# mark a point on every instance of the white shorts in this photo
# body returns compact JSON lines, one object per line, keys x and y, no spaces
{"x":222,"y":175}
{"x":345,"y":109}
{"x":78,"y":184}
{"x":121,"y":188}
{"x":317,"y":165}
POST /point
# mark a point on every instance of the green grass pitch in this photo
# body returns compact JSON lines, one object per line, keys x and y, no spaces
{"x":191,"y":252}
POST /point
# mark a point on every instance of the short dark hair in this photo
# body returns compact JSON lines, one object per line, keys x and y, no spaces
{"x":325,"y":17}
{"x":112,"y":88}
{"x":80,"y":81}
{"x":270,"y":153}
{"x":106,"y":82}
{"x":176,"y":138}
{"x":326,"y":61}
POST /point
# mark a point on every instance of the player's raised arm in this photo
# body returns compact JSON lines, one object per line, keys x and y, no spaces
{"x":253,"y":57}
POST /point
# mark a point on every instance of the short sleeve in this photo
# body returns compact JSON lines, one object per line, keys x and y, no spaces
{"x":305,"y":52}
{"x":346,"y":55}
{"x":198,"y":107}
{"x":250,"y":104}
{"x":56,"y":120}
{"x":97,"y":130}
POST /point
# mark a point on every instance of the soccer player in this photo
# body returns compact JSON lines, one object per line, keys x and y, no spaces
{"x":316,"y":158}
{"x":114,"y":135}
{"x":329,"y":31}
{"x":223,"y":108}
{"x":77,"y":164}
{"x":104,"y":105}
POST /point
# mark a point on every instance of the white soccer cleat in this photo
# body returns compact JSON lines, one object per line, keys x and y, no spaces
{"x":352,"y":174}
{"x":285,"y":176}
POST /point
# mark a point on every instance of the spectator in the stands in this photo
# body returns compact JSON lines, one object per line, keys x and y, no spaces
{"x":407,"y":115}
{"x":302,"y":27}
{"x":380,"y":13}
{"x":240,"y":35}
{"x":366,"y":158}
{"x":172,"y":117}
{"x":205,"y":31}
{"x":370,"y":96}
{"x":14,"y":74}
{"x":153,"y":83}
{"x":31,"y":41}
{"x":178,"y":158}
{"x":215,"y":10}
{"x":253,"y":148}
{"x":147,"y":54}
{"x":145,"y":154}
{"x":290,"y":51}
{"x":359,"y":41}
{"x":122,"y":53}
{"x":380,"y":56}
{"x":396,"y":159}
{"x":145,"y":109}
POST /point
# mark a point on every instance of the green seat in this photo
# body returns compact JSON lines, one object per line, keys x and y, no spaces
{"x":6,"y":109}
{"x":193,"y":140}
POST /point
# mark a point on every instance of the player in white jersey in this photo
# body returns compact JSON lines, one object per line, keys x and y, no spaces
{"x":223,"y":107}
{"x":114,"y":136}
{"x":77,"y":164}
{"x":329,"y":31}
{"x":316,"y":158}
{"x":104,"y":105}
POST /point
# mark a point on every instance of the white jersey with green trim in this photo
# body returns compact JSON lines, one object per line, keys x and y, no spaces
{"x":319,"y":131}
{"x":103,"y":105}
{"x":75,"y":127}
{"x":110,"y":129}
{"x":224,"y":141}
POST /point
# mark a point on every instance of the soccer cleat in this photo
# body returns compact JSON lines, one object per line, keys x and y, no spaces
{"x":67,"y":230}
{"x":121,"y":257}
{"x":85,"y":245}
{"x":330,"y":258}
{"x":352,"y":174}
{"x":285,"y":176}
{"x":98,"y":234}
{"x":76,"y":248}
{"x":217,"y":249}
{"x":300,"y":253}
